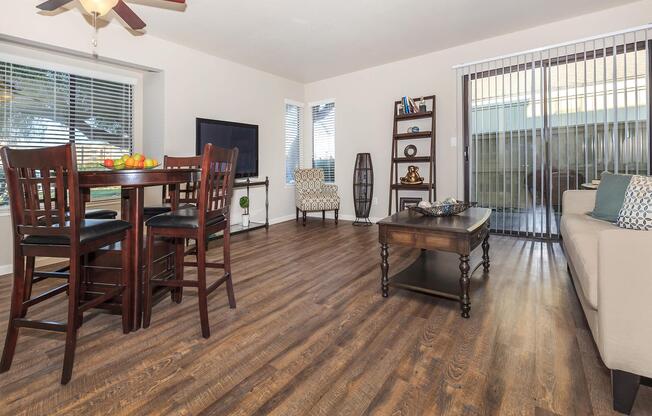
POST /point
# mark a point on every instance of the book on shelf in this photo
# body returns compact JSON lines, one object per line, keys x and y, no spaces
{"x":409,"y":105}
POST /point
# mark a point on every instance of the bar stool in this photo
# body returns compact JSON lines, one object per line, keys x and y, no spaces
{"x":209,"y":217}
{"x":187,"y":196}
{"x":45,"y":207}
{"x":187,"y":192}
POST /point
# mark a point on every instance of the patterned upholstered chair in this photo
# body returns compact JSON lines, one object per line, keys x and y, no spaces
{"x":312,"y":194}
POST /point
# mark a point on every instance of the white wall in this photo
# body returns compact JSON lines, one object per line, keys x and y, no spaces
{"x":364,"y":99}
{"x":194,"y":84}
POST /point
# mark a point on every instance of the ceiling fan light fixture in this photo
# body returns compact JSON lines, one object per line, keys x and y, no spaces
{"x":98,"y":7}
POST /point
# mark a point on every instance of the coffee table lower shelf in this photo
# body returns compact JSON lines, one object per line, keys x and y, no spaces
{"x":435,"y":273}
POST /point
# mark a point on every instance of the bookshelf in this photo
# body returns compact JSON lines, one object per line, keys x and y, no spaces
{"x":399,"y":162}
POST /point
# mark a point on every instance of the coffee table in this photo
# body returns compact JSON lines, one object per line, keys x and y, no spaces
{"x":446,"y":243}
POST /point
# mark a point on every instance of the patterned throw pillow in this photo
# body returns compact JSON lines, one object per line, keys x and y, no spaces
{"x":636,"y":213}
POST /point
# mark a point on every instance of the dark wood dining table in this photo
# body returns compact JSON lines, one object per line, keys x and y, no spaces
{"x":133,"y":184}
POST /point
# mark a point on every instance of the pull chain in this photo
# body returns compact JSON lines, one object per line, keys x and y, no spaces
{"x":95,"y":35}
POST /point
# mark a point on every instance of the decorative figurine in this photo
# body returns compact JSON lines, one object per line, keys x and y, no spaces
{"x":412,"y":177}
{"x":410,"y":150}
{"x":422,"y":105}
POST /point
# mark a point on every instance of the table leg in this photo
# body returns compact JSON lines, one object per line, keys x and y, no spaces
{"x":128,"y":246}
{"x":85,"y":198}
{"x":134,"y":214}
{"x":465,"y":282}
{"x":384,"y":268}
{"x":485,"y":253}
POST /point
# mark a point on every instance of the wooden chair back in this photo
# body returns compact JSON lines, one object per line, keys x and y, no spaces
{"x":216,"y":183}
{"x":43,"y":188}
{"x":187,"y":192}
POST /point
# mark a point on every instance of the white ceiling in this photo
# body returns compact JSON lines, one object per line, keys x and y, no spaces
{"x":309,"y":40}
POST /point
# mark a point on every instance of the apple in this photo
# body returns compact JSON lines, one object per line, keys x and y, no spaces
{"x":149,"y":163}
{"x":108,"y":163}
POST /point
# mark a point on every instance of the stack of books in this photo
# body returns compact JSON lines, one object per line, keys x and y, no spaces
{"x":409,"y":106}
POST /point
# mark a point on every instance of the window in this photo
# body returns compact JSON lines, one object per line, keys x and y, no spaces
{"x":293,"y":129}
{"x":41,"y":107}
{"x":323,"y":139}
{"x":546,"y":121}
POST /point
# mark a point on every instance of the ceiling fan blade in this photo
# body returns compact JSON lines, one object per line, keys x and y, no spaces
{"x":128,"y":16}
{"x":52,"y":5}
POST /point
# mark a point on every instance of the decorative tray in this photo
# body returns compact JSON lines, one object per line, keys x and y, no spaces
{"x":442,"y":210}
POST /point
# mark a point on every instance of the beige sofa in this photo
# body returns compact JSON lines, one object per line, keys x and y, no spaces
{"x":612,"y":271}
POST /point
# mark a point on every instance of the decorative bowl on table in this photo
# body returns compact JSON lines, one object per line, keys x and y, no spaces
{"x":130,"y":162}
{"x":441,"y":209}
{"x":124,"y":167}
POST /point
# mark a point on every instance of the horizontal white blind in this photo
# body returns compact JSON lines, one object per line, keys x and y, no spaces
{"x":323,"y":139}
{"x":40,"y":107}
{"x":293,"y":129}
{"x":550,"y":120}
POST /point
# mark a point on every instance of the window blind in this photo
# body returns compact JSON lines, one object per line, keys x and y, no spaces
{"x":41,"y":107}
{"x":293,"y":129}
{"x":323,"y":139}
{"x":553,"y":119}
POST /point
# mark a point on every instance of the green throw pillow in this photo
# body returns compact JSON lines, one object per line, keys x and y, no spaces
{"x":610,"y":197}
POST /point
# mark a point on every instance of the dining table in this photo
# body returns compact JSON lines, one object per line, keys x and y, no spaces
{"x":133,"y":184}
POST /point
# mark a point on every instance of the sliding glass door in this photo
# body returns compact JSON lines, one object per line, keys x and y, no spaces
{"x":540,"y":123}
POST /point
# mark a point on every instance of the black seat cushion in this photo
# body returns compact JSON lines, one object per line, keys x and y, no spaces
{"x":90,"y":230}
{"x":187,"y":217}
{"x":149,"y":212}
{"x":152,"y":211}
{"x":101,"y":214}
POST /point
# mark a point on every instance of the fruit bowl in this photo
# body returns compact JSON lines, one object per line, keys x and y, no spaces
{"x":130,"y":162}
{"x":123,"y":167}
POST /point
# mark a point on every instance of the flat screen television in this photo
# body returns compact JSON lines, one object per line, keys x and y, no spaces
{"x":227,"y":134}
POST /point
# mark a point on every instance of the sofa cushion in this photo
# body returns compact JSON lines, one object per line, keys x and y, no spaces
{"x":610,"y":197}
{"x":580,"y":233}
{"x":636,"y":213}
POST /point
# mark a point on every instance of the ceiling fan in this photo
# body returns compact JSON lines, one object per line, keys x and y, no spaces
{"x":101,"y":7}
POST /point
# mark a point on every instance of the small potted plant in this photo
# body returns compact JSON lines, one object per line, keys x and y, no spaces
{"x":244,"y":204}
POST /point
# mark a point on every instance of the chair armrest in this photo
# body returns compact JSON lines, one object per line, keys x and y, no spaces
{"x":329,"y":188}
{"x":578,"y":202}
{"x":625,"y":300}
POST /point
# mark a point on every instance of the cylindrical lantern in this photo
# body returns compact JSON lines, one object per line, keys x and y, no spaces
{"x":363,"y":188}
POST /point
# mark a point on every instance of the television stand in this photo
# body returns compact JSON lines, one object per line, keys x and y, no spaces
{"x":238,"y":228}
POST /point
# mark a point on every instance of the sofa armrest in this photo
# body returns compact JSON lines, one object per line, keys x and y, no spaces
{"x":578,"y":202}
{"x":625,"y":300}
{"x":329,"y":188}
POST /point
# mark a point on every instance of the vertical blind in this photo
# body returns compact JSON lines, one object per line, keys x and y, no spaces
{"x":542,"y":122}
{"x":41,"y":107}
{"x":323,"y":139}
{"x":293,"y":129}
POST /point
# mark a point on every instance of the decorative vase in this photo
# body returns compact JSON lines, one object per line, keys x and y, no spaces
{"x":363,"y":188}
{"x":245,"y":220}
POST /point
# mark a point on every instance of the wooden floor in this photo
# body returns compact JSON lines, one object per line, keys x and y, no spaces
{"x":312,"y":335}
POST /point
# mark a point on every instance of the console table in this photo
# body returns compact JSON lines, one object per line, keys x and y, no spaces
{"x":238,"y":228}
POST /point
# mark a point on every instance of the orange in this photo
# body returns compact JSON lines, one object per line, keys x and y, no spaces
{"x":140,"y":164}
{"x":130,"y":162}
